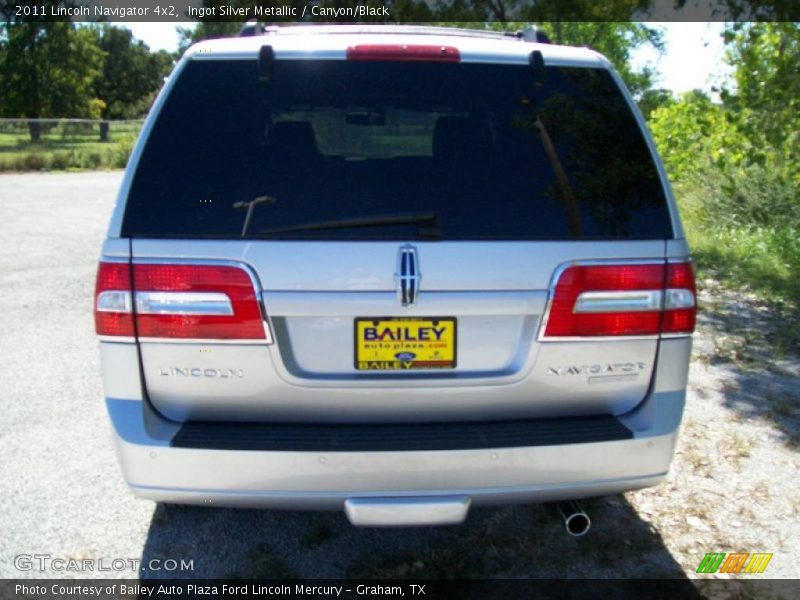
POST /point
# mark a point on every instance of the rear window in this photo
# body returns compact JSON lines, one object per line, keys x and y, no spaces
{"x":395,"y":150}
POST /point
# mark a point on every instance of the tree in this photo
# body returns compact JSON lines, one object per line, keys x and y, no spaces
{"x":762,"y":10}
{"x":47,"y":71}
{"x":616,"y":41}
{"x":654,"y":99}
{"x":740,"y":155}
{"x":130,"y":75}
{"x":691,"y":133}
{"x":206,"y":30}
{"x":765,"y":96}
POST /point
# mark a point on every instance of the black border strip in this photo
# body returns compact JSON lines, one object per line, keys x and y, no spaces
{"x":399,"y":437}
{"x":388,"y":11}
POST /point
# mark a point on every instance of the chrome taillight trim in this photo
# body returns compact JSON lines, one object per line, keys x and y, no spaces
{"x":183,"y":303}
{"x":201,"y":341}
{"x":116,"y":339}
{"x":610,"y":301}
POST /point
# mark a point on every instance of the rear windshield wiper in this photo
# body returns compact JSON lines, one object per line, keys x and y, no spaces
{"x":538,"y":74}
{"x":428,"y":224}
{"x":250,"y":206}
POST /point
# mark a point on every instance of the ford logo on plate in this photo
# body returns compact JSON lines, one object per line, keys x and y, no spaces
{"x":405,"y":356}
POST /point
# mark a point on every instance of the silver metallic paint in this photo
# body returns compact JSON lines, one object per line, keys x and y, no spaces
{"x":500,"y":298}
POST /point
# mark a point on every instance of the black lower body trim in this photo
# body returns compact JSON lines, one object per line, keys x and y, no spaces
{"x":399,"y":437}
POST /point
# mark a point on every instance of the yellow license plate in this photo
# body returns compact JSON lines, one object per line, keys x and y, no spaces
{"x":397,"y":344}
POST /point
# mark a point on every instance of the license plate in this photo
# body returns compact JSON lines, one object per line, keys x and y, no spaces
{"x":401,"y":344}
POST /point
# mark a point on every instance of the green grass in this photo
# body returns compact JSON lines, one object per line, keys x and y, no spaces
{"x":765,"y":260}
{"x":761,"y":260}
{"x":67,"y":147}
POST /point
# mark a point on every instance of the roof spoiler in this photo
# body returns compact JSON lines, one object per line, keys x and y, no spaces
{"x":265,"y":59}
{"x":538,"y":70}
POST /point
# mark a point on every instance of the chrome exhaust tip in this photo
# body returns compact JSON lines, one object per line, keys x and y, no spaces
{"x":576,"y":521}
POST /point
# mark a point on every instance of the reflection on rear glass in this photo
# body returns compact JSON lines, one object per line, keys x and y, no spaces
{"x":339,"y":140}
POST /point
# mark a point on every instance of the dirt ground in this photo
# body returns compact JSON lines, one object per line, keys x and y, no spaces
{"x":734,"y":483}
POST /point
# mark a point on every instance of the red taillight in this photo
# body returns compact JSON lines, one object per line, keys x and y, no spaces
{"x":680,"y":304}
{"x":196,"y":301}
{"x":622,"y":300}
{"x":403,"y":52}
{"x":182,"y":301}
{"x":113,"y":300}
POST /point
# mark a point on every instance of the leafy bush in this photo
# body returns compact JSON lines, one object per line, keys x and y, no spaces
{"x":123,"y":151}
{"x":751,"y":196}
{"x":60,"y":160}
{"x":758,"y":196}
{"x":113,"y":156}
{"x":33,"y":161}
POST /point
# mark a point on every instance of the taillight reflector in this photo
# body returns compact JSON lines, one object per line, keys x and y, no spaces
{"x":622,"y":300}
{"x":178,"y":301}
{"x":404,"y":52}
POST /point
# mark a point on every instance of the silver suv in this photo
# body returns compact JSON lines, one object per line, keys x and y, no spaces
{"x":396,"y":271}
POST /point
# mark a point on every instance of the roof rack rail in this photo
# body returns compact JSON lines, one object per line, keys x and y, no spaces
{"x":251,"y":28}
{"x":533,"y":34}
{"x":529,"y":34}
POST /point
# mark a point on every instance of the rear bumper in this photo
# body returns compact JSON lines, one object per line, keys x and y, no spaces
{"x":333,"y":500}
{"x":325,"y":478}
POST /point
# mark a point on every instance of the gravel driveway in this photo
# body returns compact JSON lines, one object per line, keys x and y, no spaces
{"x":734,"y":484}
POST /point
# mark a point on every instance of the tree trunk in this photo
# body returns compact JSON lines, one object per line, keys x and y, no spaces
{"x":103,"y":131}
{"x":35,"y":129}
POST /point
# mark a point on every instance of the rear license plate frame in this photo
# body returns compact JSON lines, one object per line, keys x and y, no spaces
{"x":448,"y":363}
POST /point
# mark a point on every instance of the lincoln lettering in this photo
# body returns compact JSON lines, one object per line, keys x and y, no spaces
{"x":403,"y":334}
{"x":198,"y":372}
